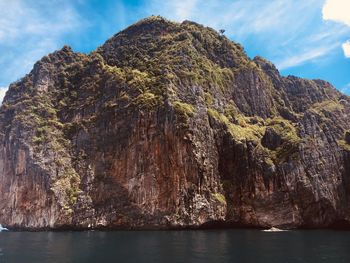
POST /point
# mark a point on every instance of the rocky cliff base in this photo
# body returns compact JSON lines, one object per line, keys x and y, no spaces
{"x":171,"y":125}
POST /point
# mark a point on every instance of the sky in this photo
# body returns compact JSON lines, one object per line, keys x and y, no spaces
{"x":306,"y":38}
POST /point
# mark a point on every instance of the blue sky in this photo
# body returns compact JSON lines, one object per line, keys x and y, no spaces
{"x":306,"y":38}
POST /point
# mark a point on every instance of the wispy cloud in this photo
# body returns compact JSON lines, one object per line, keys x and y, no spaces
{"x":29,"y":30}
{"x":184,"y":8}
{"x":176,"y":10}
{"x":309,"y":55}
{"x":346,"y":89}
{"x":241,"y":17}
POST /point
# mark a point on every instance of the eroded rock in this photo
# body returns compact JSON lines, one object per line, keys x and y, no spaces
{"x":171,"y":125}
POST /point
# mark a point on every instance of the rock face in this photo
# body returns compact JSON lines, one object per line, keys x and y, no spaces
{"x":171,"y":125}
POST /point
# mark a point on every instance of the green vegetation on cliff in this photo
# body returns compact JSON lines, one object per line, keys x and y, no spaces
{"x":171,"y":124}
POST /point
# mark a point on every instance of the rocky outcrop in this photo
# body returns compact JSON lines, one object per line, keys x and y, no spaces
{"x":171,"y":125}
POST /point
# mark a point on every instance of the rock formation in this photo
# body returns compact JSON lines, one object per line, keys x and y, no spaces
{"x":171,"y":125}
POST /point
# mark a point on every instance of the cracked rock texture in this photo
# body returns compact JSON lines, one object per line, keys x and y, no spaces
{"x":171,"y":125}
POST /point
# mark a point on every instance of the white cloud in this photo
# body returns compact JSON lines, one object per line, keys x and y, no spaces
{"x":2,"y":93}
{"x":30,"y":29}
{"x":346,"y":48}
{"x":337,"y":10}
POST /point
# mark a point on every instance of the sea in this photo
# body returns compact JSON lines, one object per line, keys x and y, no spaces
{"x":204,"y":246}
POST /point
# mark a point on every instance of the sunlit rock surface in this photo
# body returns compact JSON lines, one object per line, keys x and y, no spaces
{"x":171,"y":125}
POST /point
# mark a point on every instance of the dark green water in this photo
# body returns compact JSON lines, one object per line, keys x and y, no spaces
{"x":212,"y":246}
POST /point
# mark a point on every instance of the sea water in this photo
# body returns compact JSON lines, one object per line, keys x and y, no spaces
{"x":205,"y":246}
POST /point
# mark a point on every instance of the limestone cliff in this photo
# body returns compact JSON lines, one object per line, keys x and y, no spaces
{"x":171,"y":125}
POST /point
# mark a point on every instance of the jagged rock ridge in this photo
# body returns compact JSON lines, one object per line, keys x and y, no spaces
{"x":171,"y":125}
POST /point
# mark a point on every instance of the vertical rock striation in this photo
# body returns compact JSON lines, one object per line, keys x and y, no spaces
{"x":171,"y":125}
